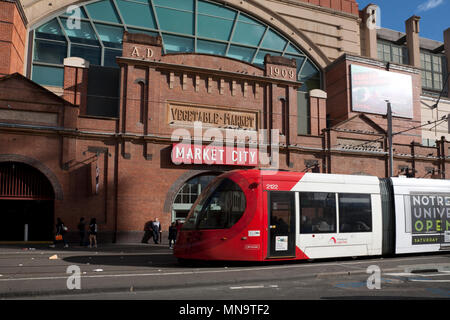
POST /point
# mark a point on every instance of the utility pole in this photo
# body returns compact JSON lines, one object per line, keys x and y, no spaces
{"x":389,"y":135}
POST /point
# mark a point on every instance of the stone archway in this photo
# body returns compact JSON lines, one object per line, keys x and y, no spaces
{"x":57,"y":188}
{"x":27,"y":201}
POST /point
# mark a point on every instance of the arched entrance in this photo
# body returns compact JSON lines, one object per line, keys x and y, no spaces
{"x":188,"y":193}
{"x":26,"y":202}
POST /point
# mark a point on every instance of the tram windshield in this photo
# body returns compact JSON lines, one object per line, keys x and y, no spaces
{"x":220,"y":206}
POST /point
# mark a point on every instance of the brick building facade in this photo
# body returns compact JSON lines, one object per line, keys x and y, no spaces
{"x":103,"y":136}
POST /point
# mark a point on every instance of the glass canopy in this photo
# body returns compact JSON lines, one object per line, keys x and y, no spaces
{"x":94,"y":30}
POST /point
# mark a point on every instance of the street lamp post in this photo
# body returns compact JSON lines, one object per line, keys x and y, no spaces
{"x":389,"y":135}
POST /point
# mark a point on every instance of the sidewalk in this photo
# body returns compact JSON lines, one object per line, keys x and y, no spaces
{"x":29,"y":269}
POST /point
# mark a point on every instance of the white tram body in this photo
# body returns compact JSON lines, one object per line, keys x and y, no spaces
{"x":415,"y":218}
{"x":339,"y":243}
{"x":422,"y":215}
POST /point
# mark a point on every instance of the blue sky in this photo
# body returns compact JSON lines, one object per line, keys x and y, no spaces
{"x":435,"y":15}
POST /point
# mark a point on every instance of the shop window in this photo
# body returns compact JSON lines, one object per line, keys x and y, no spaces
{"x":317,"y":212}
{"x":355,"y":213}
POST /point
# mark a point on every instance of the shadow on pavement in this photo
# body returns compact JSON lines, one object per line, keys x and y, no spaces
{"x":161,"y":260}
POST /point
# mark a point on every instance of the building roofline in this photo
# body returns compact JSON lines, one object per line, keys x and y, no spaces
{"x":20,"y":9}
{"x":394,"y":36}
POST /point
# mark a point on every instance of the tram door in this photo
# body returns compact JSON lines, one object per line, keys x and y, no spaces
{"x":281,"y":224}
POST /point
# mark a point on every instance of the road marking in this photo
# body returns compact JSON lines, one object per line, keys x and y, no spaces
{"x":247,"y":287}
{"x":254,"y":287}
{"x":429,"y":280}
{"x":194,"y":272}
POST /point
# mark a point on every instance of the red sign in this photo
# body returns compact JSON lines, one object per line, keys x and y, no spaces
{"x":224,"y":155}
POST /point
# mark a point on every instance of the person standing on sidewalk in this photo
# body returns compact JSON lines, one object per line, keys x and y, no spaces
{"x":93,"y":233}
{"x":156,"y":230}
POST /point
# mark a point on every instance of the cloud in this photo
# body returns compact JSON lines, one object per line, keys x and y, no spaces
{"x":429,"y":4}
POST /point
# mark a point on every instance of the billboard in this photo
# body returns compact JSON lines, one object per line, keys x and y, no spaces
{"x":430,"y":218}
{"x":372,"y":87}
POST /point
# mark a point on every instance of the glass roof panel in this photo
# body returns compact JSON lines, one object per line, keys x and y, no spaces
{"x":50,"y":30}
{"x":185,"y":25}
{"x":137,"y":14}
{"x":103,"y":11}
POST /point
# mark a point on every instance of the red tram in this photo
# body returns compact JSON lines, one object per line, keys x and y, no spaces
{"x":259,"y":215}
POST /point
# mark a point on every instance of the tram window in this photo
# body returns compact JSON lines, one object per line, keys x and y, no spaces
{"x":224,"y":207}
{"x":198,"y":206}
{"x":317,"y":212}
{"x":355,"y":212}
{"x":221,"y":208}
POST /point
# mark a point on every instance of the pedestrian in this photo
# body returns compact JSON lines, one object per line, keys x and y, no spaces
{"x":93,"y":233}
{"x":60,"y":234}
{"x":172,"y":234}
{"x":148,"y":231}
{"x":82,"y":231}
{"x":156,"y":230}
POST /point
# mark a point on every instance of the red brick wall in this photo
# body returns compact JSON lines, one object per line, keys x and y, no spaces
{"x":348,"y":6}
{"x":12,"y":39}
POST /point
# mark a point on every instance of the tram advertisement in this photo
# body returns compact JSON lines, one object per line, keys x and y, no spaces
{"x":430,"y":217}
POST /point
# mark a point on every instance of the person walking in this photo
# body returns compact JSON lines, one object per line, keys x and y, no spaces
{"x":156,"y":230}
{"x":148,"y":231}
{"x":172,"y":234}
{"x":93,"y":233}
{"x":82,"y":231}
{"x":61,"y":230}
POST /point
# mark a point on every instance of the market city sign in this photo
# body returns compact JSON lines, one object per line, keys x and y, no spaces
{"x":215,"y":146}
{"x":219,"y":155}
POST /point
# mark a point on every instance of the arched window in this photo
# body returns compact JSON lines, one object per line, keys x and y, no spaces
{"x":94,"y":30}
{"x":187,"y":195}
